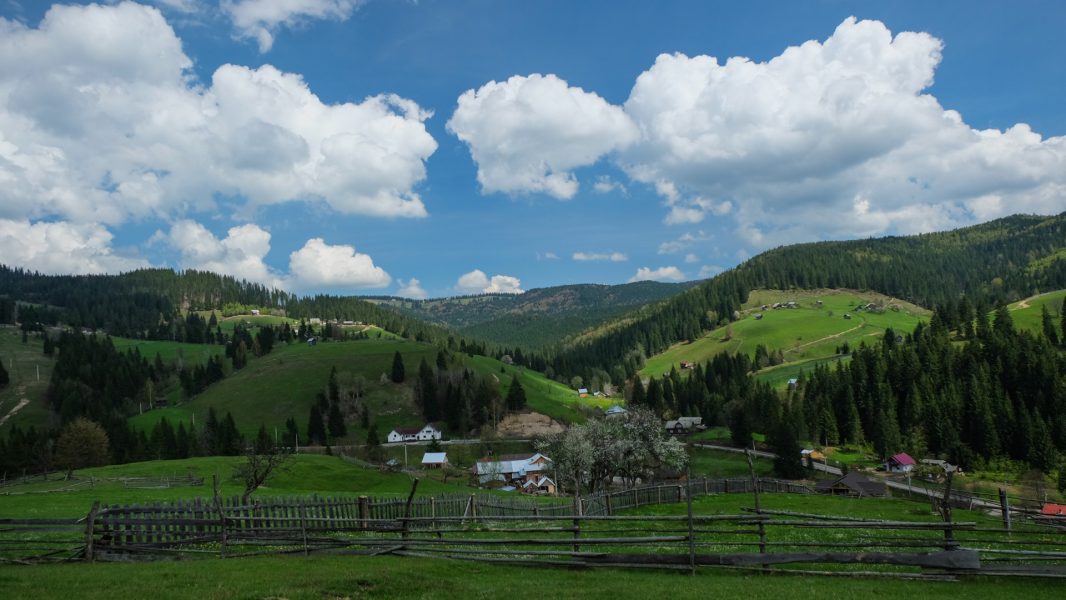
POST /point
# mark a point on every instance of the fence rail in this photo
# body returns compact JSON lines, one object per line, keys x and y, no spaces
{"x":585,"y":532}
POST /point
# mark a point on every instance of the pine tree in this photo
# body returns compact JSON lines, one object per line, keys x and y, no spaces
{"x":4,"y":377}
{"x":788,"y":464}
{"x":397,"y":368}
{"x":337,"y":428}
{"x":316,"y":427}
{"x":1062,"y":322}
{"x":1048,"y":326}
{"x":516,"y":396}
{"x":372,"y":438}
{"x":334,"y":387}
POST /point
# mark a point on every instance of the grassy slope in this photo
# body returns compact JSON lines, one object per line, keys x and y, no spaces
{"x":22,"y":362}
{"x":1027,"y":313}
{"x":286,"y":382}
{"x":805,"y":335}
{"x":306,"y":474}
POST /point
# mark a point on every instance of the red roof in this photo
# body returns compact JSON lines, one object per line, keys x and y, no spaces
{"x":902,"y":459}
{"x":1054,"y":510}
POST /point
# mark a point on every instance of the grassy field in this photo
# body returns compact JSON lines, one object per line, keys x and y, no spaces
{"x":23,"y":401}
{"x":808,"y":333}
{"x":1027,"y":313}
{"x":189,"y":355}
{"x":542,"y":394}
{"x":286,"y":382}
{"x":716,"y":464}
{"x":305,"y":474}
{"x":320,"y":577}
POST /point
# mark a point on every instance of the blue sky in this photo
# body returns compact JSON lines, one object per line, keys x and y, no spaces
{"x":354,"y":146}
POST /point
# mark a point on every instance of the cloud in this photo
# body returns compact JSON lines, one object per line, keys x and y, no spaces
{"x":319,"y":264}
{"x":683,"y":241}
{"x":477,"y":282}
{"x":611,"y":256}
{"x":548,"y":256}
{"x":102,"y":120}
{"x":239,"y":254}
{"x":660,"y":274}
{"x":830,"y":139}
{"x":412,"y":288}
{"x":260,"y":20}
{"x":709,"y":271}
{"x":606,"y":185}
{"x":691,"y":258}
{"x":62,"y":248}
{"x":528,"y":134}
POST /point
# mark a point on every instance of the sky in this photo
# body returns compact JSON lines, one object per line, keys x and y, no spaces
{"x":441,"y":147}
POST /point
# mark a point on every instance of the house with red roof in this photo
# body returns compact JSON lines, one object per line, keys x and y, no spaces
{"x":900,"y":463}
{"x":1053,"y":510}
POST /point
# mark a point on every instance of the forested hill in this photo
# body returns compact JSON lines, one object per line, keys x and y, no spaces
{"x":989,"y":264}
{"x":539,"y":317}
{"x":152,"y":303}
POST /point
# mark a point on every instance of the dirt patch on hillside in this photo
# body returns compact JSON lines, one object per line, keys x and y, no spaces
{"x":528,"y":425}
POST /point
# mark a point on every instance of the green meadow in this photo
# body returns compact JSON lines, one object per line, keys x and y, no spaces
{"x":1027,"y":314}
{"x":805,"y":335}
{"x":22,"y":401}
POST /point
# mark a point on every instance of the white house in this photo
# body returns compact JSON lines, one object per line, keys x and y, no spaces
{"x":415,"y":434}
{"x":511,"y":468}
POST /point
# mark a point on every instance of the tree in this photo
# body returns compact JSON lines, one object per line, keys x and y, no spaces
{"x":82,"y":444}
{"x":1062,"y":322}
{"x":336,"y":422}
{"x":316,"y":426}
{"x":1048,"y":326}
{"x":262,"y":460}
{"x":516,"y":396}
{"x":397,"y":368}
{"x":4,"y":377}
{"x":788,"y":464}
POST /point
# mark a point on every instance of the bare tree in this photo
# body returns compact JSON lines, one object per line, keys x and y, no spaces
{"x":262,"y":460}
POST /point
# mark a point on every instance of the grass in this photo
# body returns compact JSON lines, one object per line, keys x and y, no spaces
{"x":23,"y":363}
{"x":304,"y":475}
{"x":717,"y":463}
{"x":1026,"y":314}
{"x":319,"y":577}
{"x":286,"y":382}
{"x":809,"y":333}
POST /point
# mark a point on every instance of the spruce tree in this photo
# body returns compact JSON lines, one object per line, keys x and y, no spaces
{"x":1062,"y":322}
{"x":1048,"y":326}
{"x":788,"y":464}
{"x":316,"y":427}
{"x":4,"y":377}
{"x":337,"y":428}
{"x":516,"y":396}
{"x":397,"y":368}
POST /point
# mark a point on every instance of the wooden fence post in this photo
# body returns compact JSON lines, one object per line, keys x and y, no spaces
{"x":758,"y":508}
{"x":1004,"y":505}
{"x":221,"y":520}
{"x":607,"y":504}
{"x":303,"y":526}
{"x":364,"y":511}
{"x":90,"y":524}
{"x":945,"y":511}
{"x":691,"y":529}
{"x":407,"y":509}
{"x":577,"y":522}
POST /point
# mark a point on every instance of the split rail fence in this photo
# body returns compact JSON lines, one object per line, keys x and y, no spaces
{"x":586,"y":532}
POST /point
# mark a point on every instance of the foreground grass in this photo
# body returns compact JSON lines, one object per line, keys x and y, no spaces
{"x":25,"y":392}
{"x":392,"y":577}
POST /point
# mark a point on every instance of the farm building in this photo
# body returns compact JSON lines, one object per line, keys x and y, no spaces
{"x":1053,"y":510}
{"x":852,"y":484}
{"x":684,"y":425}
{"x":758,"y":317}
{"x":583,"y":393}
{"x":511,"y":468}
{"x":541,"y":484}
{"x":415,"y":434}
{"x":435,"y":460}
{"x":615,"y":412}
{"x":793,"y":382}
{"x":255,"y":312}
{"x":847,"y":316}
{"x":900,"y":463}
{"x":812,"y":453}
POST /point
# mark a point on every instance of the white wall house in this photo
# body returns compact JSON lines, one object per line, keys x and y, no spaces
{"x":415,"y":434}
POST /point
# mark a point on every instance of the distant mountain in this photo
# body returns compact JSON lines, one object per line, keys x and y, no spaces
{"x":992,"y":263}
{"x":539,"y":317}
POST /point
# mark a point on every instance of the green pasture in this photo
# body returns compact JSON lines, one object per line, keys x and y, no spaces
{"x":286,"y":382}
{"x":188,"y":355}
{"x":23,"y":363}
{"x":809,"y":332}
{"x":779,"y":375}
{"x":304,"y":474}
{"x":1026,"y":314}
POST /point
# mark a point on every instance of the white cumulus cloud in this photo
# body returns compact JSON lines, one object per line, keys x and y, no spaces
{"x":62,"y":248}
{"x":590,"y":256}
{"x":477,"y":282}
{"x":319,"y":264}
{"x":260,"y":20}
{"x":102,"y":120}
{"x":412,"y":288}
{"x":660,"y":274}
{"x":528,"y":134}
{"x":239,"y":254}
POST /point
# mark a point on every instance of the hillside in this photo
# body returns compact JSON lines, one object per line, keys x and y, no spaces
{"x":539,"y":317}
{"x":1000,"y":261}
{"x":812,"y":333}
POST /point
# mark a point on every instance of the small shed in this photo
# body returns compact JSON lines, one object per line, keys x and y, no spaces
{"x":435,"y":460}
{"x":852,"y":484}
